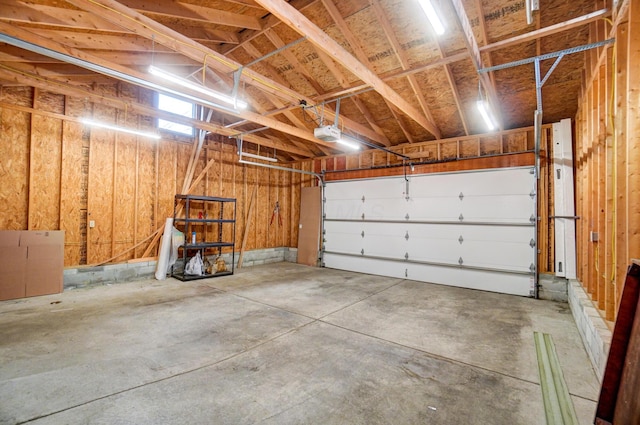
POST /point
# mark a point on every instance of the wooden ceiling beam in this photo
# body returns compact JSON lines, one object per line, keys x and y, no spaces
{"x":253,"y":52}
{"x":339,"y":75}
{"x":193,"y":12}
{"x":321,"y":40}
{"x":267,"y":22}
{"x":80,"y":93}
{"x":476,"y":58}
{"x":378,"y":136}
{"x":152,"y":30}
{"x":82,"y":40}
{"x":18,"y":11}
{"x":251,"y":116}
{"x":509,"y":42}
{"x":148,"y":28}
{"x":402,"y":57}
{"x":547,"y":31}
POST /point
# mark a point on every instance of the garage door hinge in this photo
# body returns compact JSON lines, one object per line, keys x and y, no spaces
{"x":363,"y":216}
{"x":461,"y":217}
{"x":532,"y":243}
{"x":406,"y":217}
{"x":362,"y":251}
{"x":460,"y":261}
{"x":532,"y":194}
{"x":532,"y":218}
{"x":460,"y":239}
{"x":406,"y":255}
{"x":461,"y":196}
{"x":532,"y":267}
{"x":362,"y":198}
{"x":362,"y":234}
{"x":406,"y":272}
{"x":406,"y":236}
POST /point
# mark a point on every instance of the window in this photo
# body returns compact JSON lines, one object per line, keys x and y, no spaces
{"x":176,"y":106}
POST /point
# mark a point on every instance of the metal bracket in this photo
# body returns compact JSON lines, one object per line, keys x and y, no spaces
{"x":363,"y":198}
{"x":461,"y":217}
{"x":406,"y":217}
{"x":363,"y":216}
{"x":362,"y":234}
{"x":460,"y":239}
{"x":362,"y":251}
{"x":407,"y":236}
{"x":406,"y":255}
{"x":460,"y":261}
{"x":461,"y":196}
{"x":532,"y":243}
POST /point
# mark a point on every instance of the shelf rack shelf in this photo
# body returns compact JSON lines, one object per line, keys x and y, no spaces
{"x":199,"y":230}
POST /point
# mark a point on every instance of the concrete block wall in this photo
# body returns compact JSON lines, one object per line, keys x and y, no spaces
{"x":595,"y":333}
{"x":111,"y":273}
{"x":126,"y":272}
{"x":553,"y":288}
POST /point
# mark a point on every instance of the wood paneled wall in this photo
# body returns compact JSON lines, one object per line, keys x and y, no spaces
{"x":608,"y":159}
{"x":59,"y":174}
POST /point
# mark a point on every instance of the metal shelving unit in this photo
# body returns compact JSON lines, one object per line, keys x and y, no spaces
{"x":196,"y":222}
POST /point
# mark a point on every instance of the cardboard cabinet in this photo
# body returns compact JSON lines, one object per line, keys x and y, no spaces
{"x":31,"y":263}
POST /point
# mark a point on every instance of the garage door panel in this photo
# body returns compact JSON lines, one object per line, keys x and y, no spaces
{"x":343,"y":237}
{"x":433,"y":209}
{"x":506,"y":256}
{"x":346,"y":210}
{"x":365,"y":265}
{"x":469,"y":229}
{"x":506,"y":283}
{"x":500,"y":209}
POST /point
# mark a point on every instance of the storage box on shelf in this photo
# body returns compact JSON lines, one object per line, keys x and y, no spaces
{"x":209,"y":226}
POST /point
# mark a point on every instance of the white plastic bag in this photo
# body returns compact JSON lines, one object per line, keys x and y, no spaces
{"x":195,"y":266}
{"x":177,"y":240}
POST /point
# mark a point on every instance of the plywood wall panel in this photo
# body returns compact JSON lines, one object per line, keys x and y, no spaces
{"x":45,"y":167}
{"x":144,"y":212}
{"x":14,"y":167}
{"x":274,"y":226}
{"x":167,"y":153}
{"x":100,"y":196}
{"x":124,"y":196}
{"x":72,"y":193}
{"x":296,"y":184}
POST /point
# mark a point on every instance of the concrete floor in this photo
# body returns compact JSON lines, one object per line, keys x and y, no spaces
{"x":283,"y":344}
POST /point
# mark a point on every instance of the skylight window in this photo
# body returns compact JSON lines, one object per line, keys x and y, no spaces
{"x":179,"y":107}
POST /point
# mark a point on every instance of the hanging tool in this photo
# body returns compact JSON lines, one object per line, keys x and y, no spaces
{"x":276,"y":211}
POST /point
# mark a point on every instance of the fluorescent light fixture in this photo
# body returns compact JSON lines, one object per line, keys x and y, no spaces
{"x":99,"y":124}
{"x":348,"y":144}
{"x":436,"y":23}
{"x":238,"y":104}
{"x":254,"y":156}
{"x":485,"y":111}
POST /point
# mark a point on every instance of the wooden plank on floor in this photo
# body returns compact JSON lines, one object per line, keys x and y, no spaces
{"x":558,"y":406}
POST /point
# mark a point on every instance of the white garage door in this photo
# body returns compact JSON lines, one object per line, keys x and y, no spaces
{"x":469,"y":229}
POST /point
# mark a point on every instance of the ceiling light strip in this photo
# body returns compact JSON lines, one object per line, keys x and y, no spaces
{"x":107,"y":126}
{"x":108,"y":71}
{"x":432,"y":16}
{"x":155,"y":71}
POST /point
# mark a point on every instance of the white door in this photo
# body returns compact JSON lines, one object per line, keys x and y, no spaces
{"x":469,"y":229}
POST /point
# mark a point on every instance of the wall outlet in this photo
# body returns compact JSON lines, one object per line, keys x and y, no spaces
{"x":92,"y":224}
